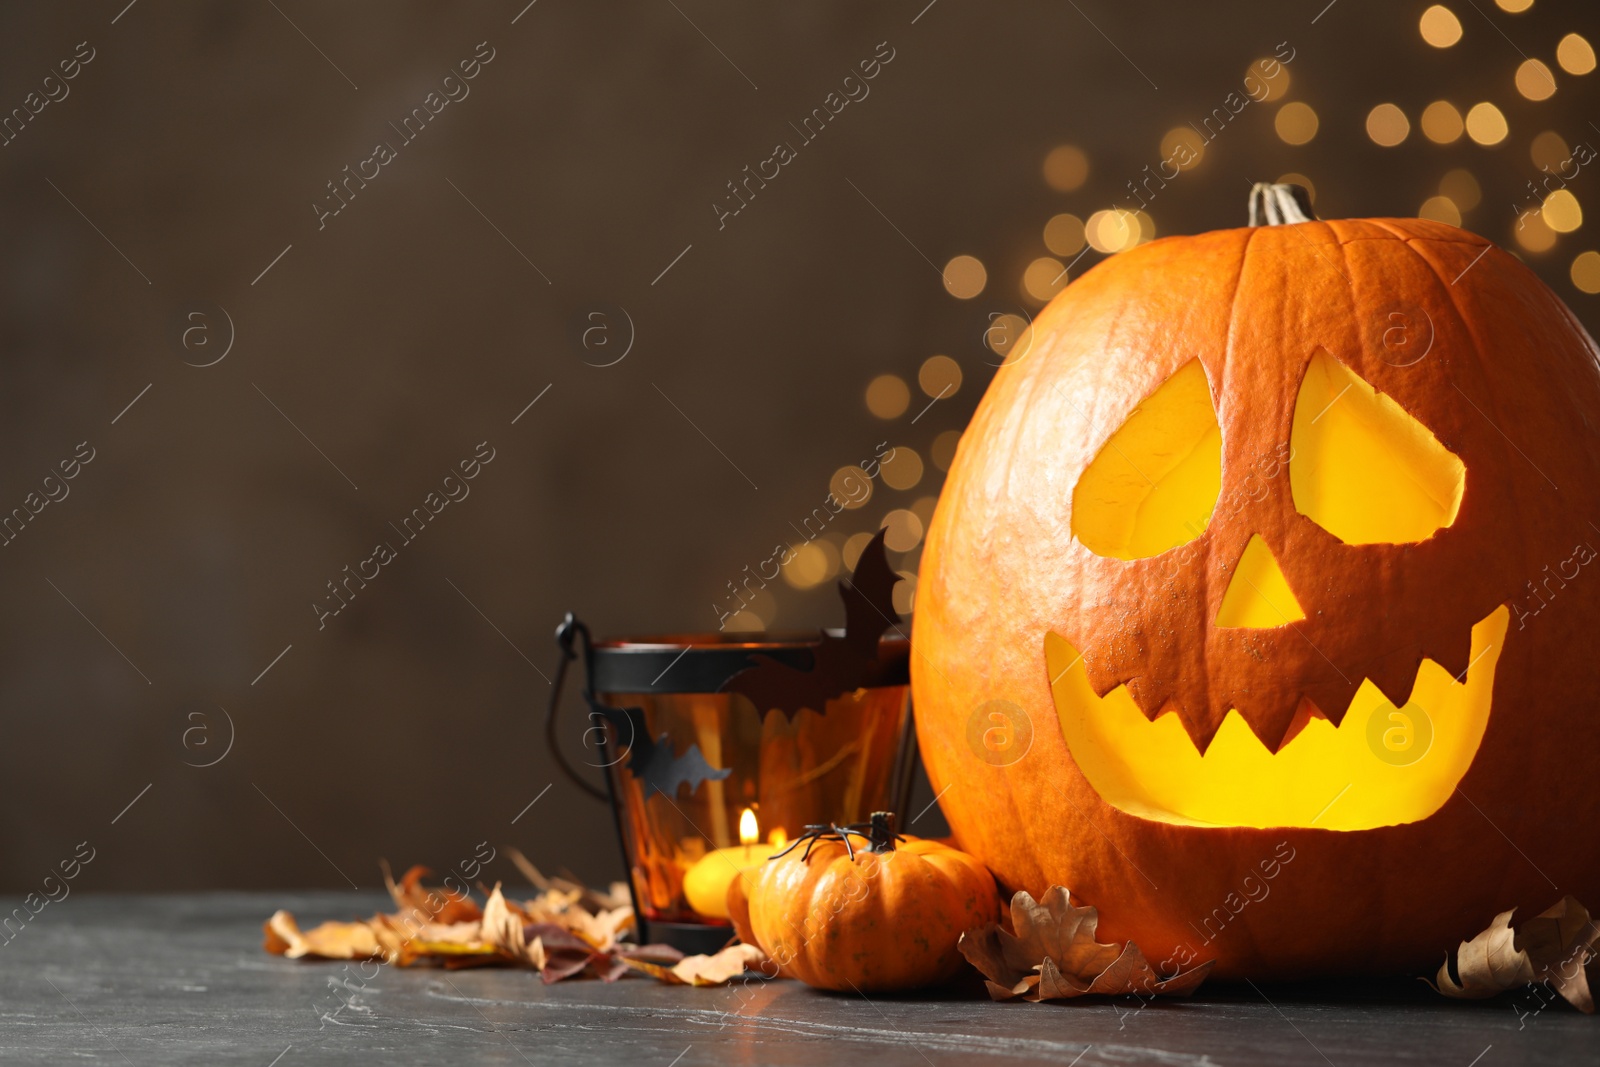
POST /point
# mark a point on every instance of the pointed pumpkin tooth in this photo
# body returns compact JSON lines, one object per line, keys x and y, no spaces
{"x":1333,"y":696}
{"x":1150,"y":695}
{"x":1395,"y":677}
{"x":1202,"y":727}
{"x":1267,"y":718}
{"x":1303,"y":714}
{"x":1452,"y":650}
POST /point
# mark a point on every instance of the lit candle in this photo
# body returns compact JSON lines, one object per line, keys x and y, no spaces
{"x":706,"y":883}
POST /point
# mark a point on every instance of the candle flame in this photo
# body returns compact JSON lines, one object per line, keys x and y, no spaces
{"x":777,"y":838}
{"x":749,"y":830}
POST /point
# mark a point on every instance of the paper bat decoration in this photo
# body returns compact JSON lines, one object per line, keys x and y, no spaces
{"x":651,"y":760}
{"x":839,"y":664}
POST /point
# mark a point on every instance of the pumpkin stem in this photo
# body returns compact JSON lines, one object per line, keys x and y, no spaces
{"x":881,"y":831}
{"x":1272,"y":204}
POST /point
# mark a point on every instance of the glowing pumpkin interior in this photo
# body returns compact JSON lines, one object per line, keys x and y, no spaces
{"x":1364,"y":470}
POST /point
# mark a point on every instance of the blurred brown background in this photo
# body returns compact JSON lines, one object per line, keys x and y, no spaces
{"x":176,"y":174}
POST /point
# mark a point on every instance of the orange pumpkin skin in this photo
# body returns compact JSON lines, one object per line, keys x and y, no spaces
{"x":881,"y":921}
{"x":1510,"y":384}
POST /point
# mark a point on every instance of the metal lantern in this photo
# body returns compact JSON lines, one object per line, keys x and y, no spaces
{"x":703,"y":783}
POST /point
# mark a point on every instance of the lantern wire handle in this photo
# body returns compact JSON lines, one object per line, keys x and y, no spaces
{"x":567,"y":635}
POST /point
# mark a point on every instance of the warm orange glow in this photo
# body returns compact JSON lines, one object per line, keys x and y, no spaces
{"x":1486,"y":124}
{"x":1535,"y":81}
{"x":1439,"y":26}
{"x":1441,"y":122}
{"x":1258,"y":596}
{"x":1561,"y":211}
{"x":1363,"y":468}
{"x":777,"y":838}
{"x":1155,"y":482}
{"x":888,"y":396}
{"x":1440,"y":209}
{"x":1586,"y":272}
{"x":1381,"y":766}
{"x":1575,"y":54}
{"x":965,"y":277}
{"x":1295,"y":122}
{"x":1387,"y":125}
{"x":749,"y":829}
{"x":1066,"y":168}
{"x":1063,"y":234}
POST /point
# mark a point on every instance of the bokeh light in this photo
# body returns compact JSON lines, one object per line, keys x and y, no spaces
{"x":1043,"y":279}
{"x":812,"y":564}
{"x":939,"y":376}
{"x":1561,"y":211}
{"x":888,"y":396}
{"x":1549,"y":150}
{"x":743,"y":622}
{"x":923,"y":507}
{"x":1515,"y":7}
{"x":1462,"y":188}
{"x":1440,"y":27}
{"x":1532,"y":233}
{"x":1009,"y":336}
{"x":1486,"y":125}
{"x":904,"y":530}
{"x":1441,"y":122}
{"x":1063,"y":235}
{"x":1066,"y":168}
{"x":1586,"y":272}
{"x":854,"y":545}
{"x":905,"y":592}
{"x":1440,"y":209}
{"x":902,"y":469}
{"x":1295,"y":122}
{"x":1535,"y":81}
{"x":1114,"y":230}
{"x":1575,"y":54}
{"x":851,"y":487}
{"x":965,"y":277}
{"x":1180,"y":137}
{"x":1296,"y":178}
{"x":1387,"y":125}
{"x":943,"y":450}
{"x":1276,"y":86}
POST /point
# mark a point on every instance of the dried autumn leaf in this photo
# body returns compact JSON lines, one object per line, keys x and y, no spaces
{"x":1054,"y":955}
{"x":566,"y":930}
{"x":715,"y":969}
{"x":1558,"y":946}
{"x":330,"y":941}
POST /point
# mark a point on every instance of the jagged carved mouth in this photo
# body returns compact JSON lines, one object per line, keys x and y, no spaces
{"x":1381,"y":766}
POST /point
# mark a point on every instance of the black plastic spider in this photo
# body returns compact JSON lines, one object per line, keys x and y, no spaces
{"x":878,"y":831}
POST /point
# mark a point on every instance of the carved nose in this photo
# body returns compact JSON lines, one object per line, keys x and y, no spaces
{"x":1258,"y":595}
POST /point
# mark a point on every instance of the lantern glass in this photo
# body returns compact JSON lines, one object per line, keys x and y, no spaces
{"x":836,"y":767}
{"x":784,"y":772}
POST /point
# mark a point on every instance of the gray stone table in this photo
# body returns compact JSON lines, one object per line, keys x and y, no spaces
{"x":139,"y":980}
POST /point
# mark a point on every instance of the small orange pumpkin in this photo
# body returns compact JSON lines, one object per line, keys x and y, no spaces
{"x":854,"y":911}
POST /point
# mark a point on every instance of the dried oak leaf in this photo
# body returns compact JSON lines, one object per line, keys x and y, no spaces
{"x":1558,"y":946}
{"x":1054,"y":955}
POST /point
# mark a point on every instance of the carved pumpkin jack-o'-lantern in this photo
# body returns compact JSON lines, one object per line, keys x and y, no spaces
{"x":1274,"y":542}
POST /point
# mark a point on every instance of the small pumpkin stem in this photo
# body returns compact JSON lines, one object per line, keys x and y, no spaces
{"x":881,"y":832}
{"x":1273,"y":204}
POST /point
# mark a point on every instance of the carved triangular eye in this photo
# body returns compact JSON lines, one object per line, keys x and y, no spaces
{"x":1362,"y":468}
{"x":1154,"y":483}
